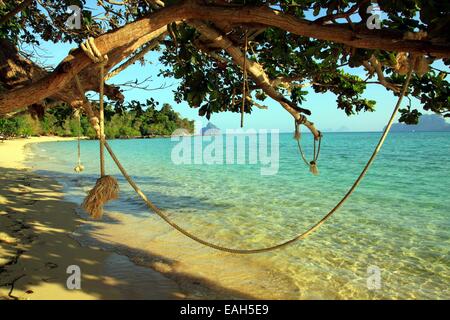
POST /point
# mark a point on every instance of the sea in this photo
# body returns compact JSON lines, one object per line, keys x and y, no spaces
{"x":390,"y":239}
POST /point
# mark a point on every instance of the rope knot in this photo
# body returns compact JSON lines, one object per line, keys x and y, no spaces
{"x":95,"y":124}
{"x":78,"y":104}
{"x":92,"y":52}
{"x":301,"y":120}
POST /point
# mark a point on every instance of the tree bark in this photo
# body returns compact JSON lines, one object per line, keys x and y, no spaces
{"x":19,"y":72}
{"x":123,"y":42}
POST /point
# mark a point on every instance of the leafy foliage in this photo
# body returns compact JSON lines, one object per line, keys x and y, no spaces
{"x":212,"y":83}
{"x":130,"y":121}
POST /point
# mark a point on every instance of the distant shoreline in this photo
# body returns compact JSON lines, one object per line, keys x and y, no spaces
{"x":39,"y":139}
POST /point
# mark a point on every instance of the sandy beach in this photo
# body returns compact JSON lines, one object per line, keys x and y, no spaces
{"x":36,"y":246}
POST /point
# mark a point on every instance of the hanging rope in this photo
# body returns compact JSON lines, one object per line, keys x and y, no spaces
{"x":244,"y":80}
{"x":102,"y":119}
{"x":79,"y":167}
{"x":106,"y":188}
{"x":92,"y":52}
{"x":312,"y":165}
{"x":300,"y":236}
{"x":93,"y":119}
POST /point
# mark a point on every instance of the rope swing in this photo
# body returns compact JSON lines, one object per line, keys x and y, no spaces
{"x":111,"y":190}
{"x":79,"y":167}
{"x":106,"y":188}
{"x":297,"y":135}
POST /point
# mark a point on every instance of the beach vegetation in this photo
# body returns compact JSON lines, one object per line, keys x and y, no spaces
{"x":124,"y":122}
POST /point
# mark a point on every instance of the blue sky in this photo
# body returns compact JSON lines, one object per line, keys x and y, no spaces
{"x":325,"y":114}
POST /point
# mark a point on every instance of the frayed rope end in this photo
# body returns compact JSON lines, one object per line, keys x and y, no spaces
{"x":313,"y":168}
{"x":106,"y":188}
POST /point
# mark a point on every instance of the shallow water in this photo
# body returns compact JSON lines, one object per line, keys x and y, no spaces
{"x":396,"y":222}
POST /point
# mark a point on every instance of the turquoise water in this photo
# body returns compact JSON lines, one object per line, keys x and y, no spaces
{"x":397,"y":221}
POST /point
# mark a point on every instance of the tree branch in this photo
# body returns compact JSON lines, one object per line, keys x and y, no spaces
{"x":122,"y":42}
{"x":374,"y":66}
{"x":255,"y":71}
{"x":15,"y":11}
{"x":145,"y":49}
{"x":346,"y":14}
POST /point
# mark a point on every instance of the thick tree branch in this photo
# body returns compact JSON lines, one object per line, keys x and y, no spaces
{"x":122,"y":42}
{"x":369,"y":39}
{"x":60,"y":85}
{"x":17,"y":71}
{"x":255,"y":71}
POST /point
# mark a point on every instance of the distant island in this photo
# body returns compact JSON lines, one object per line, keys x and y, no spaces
{"x":210,"y":130}
{"x":427,"y":122}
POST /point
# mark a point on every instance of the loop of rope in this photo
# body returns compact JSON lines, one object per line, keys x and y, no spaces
{"x":297,"y":136}
{"x":316,"y":150}
{"x":92,"y":52}
{"x":300,"y":236}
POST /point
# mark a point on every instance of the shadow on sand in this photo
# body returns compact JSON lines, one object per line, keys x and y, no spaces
{"x":36,"y":249}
